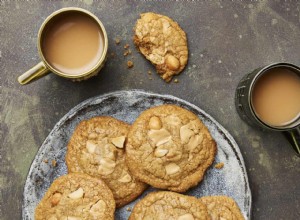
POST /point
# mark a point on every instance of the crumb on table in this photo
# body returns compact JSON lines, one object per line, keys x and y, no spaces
{"x":126,"y":46}
{"x":219,"y":165}
{"x":45,"y":161}
{"x":117,"y":41}
{"x":128,"y":209}
{"x":129,"y":64}
{"x":176,"y":81}
{"x":54,"y":163}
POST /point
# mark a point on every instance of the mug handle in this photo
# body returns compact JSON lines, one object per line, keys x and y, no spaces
{"x":33,"y":74}
{"x":293,"y":136}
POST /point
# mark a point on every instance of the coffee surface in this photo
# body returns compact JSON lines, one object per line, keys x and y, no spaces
{"x":276,"y":97}
{"x":72,"y":43}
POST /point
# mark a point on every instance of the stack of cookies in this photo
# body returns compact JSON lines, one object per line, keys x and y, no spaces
{"x":111,"y":163}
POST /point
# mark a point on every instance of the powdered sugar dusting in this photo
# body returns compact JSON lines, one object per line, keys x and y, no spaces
{"x":231,"y":180}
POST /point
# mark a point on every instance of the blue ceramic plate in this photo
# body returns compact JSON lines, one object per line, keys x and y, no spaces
{"x":231,"y":180}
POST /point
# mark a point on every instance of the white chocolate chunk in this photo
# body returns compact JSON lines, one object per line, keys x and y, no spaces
{"x":186,"y":217}
{"x":118,"y":141}
{"x":194,"y":142}
{"x":172,"y":62}
{"x":185,"y":133}
{"x":160,"y":152}
{"x":98,"y":208}
{"x":155,"y":123}
{"x":172,"y":168}
{"x":125,"y":179}
{"x":159,"y":137}
{"x":91,"y":147}
{"x":73,"y":218}
{"x":107,"y":166}
{"x":76,"y":194}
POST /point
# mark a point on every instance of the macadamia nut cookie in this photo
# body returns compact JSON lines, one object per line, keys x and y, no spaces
{"x":76,"y":197}
{"x":169,"y":147}
{"x":97,"y":148}
{"x":222,"y":208}
{"x":162,"y":42}
{"x":165,"y":205}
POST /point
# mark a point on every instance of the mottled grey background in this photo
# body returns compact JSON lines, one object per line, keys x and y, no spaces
{"x":227,"y":39}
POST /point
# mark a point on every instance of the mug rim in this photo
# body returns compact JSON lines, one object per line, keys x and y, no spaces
{"x":99,"y":62}
{"x":294,"y":124}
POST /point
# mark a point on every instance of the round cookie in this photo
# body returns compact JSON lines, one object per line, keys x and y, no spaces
{"x":97,"y":148}
{"x":170,"y":206}
{"x":222,"y":208}
{"x":76,"y":197}
{"x":169,"y":147}
{"x":162,"y":42}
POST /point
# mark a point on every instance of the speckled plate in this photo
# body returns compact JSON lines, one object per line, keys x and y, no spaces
{"x":231,"y":180}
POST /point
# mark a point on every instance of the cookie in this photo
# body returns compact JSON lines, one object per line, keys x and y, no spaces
{"x":169,"y":147}
{"x":97,"y":148}
{"x":165,"y":205}
{"x":162,"y":42}
{"x":76,"y":197}
{"x":222,"y":208}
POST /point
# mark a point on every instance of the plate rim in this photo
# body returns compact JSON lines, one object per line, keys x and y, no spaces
{"x":92,"y":100}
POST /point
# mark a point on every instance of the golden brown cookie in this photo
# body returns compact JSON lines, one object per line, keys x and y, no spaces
{"x":97,"y":148}
{"x":162,"y":42}
{"x":169,"y":147}
{"x":222,"y":208}
{"x":165,"y":205}
{"x":76,"y":197}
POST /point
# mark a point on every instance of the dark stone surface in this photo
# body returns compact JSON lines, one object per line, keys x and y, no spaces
{"x":227,"y":39}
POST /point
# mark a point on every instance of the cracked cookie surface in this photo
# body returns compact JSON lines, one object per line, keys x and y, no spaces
{"x":222,"y":208}
{"x":97,"y":148}
{"x":76,"y":197}
{"x":169,"y":147}
{"x":165,"y":205}
{"x":162,"y":42}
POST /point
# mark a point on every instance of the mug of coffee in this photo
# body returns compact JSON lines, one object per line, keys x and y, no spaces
{"x":269,"y":97}
{"x":72,"y":43}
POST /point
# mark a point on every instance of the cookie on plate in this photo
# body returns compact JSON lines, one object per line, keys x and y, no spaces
{"x":162,"y":42}
{"x":97,"y":148}
{"x":76,"y":196}
{"x":165,"y":205}
{"x":222,"y":208}
{"x":169,"y":147}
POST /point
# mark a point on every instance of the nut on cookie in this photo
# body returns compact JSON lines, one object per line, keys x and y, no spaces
{"x":162,"y":42}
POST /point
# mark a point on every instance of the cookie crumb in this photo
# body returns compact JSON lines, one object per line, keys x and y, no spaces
{"x":54,"y":163}
{"x":126,"y":46}
{"x":128,"y":209}
{"x":45,"y":161}
{"x":219,"y":165}
{"x":150,"y":78}
{"x":129,"y":64}
{"x":126,"y":53}
{"x":149,"y":72}
{"x":176,"y":81}
{"x":129,"y":52}
{"x":117,"y":41}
